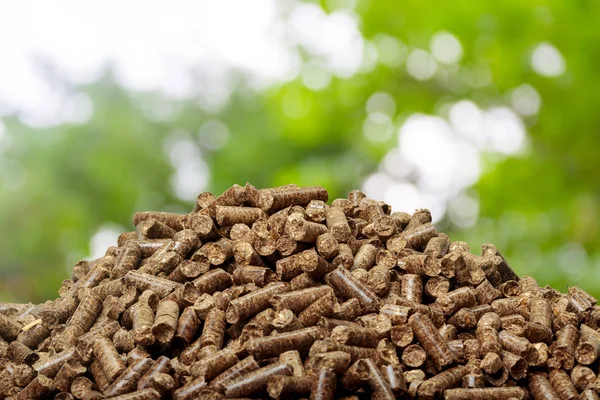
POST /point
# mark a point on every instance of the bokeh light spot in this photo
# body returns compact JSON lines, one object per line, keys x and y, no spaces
{"x":546,"y":60}
{"x":426,"y":143}
{"x":573,"y":260}
{"x":334,"y":37}
{"x":104,"y":237}
{"x":463,"y":210}
{"x":391,"y":51}
{"x":466,"y":120}
{"x":525,"y":100}
{"x":191,"y":171}
{"x":376,"y":184}
{"x":420,"y":64}
{"x":381,"y":102}
{"x":370,"y":55}
{"x":504,"y":130}
{"x":446,"y":48}
{"x":378,"y":127}
{"x":213,"y":134}
{"x":315,"y":77}
{"x":403,"y":196}
{"x":395,"y":165}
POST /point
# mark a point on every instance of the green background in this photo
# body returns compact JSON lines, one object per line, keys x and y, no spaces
{"x":540,"y":207}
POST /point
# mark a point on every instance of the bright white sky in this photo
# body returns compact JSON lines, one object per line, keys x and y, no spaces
{"x":150,"y":45}
{"x":158,"y":45}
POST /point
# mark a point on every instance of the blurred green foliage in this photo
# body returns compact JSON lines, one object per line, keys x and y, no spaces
{"x":57,"y":186}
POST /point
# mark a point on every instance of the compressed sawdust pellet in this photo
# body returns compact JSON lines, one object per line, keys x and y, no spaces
{"x":256,"y":381}
{"x":108,"y":358}
{"x":275,"y":292}
{"x":323,"y":385}
{"x":282,"y":386}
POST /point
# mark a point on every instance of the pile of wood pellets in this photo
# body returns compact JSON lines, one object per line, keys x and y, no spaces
{"x":274,"y":293}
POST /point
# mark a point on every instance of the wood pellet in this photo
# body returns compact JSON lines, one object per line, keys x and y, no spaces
{"x":276,"y":293}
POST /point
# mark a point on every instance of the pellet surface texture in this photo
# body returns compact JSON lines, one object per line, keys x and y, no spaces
{"x":285,"y":293}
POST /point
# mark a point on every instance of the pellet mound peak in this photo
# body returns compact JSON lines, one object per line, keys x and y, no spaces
{"x":273,"y":293}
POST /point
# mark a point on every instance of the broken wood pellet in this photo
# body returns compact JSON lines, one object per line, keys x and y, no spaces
{"x":165,"y":323}
{"x":582,"y":377}
{"x":274,"y":292}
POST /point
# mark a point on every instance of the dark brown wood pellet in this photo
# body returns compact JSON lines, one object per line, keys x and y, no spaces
{"x":277,"y":293}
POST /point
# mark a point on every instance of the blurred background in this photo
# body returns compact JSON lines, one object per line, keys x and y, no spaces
{"x":484,"y":112}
